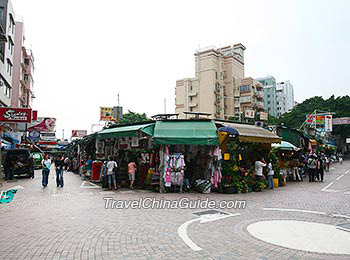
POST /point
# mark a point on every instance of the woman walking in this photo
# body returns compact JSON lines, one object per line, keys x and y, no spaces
{"x":46,"y":164}
{"x":59,"y":164}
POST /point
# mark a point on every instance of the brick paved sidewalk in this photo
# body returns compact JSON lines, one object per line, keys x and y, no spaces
{"x":71,"y":222}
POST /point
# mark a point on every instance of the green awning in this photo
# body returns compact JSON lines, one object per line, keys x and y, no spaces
{"x":185,"y":132}
{"x":123,"y":131}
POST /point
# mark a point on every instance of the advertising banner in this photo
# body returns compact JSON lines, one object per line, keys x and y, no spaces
{"x":341,"y":121}
{"x":312,"y":119}
{"x":43,"y":124}
{"x":79,"y":133}
{"x":18,"y":115}
{"x":34,"y":136}
{"x":264,"y":116}
{"x":106,"y":114}
{"x":328,"y":124}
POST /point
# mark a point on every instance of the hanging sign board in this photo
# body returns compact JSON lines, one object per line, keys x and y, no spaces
{"x":19,"y":115}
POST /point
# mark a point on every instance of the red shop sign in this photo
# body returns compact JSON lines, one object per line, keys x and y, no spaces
{"x":21,"y":115}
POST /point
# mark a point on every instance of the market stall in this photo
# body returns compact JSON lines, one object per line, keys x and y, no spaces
{"x":125,"y":144}
{"x":241,"y":149}
{"x":189,"y":153}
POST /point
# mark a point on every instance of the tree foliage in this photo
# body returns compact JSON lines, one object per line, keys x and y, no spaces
{"x":340,"y":106}
{"x":132,"y":118}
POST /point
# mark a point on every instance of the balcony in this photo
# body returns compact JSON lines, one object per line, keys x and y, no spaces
{"x":192,"y":104}
{"x":193,"y":93}
{"x":259,"y":95}
{"x":259,"y":106}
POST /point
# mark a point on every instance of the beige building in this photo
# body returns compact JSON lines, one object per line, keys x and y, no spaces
{"x":215,"y":89}
{"x":251,"y":95}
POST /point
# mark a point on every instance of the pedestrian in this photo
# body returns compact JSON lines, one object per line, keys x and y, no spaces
{"x":312,"y":167}
{"x":31,"y":166}
{"x":259,"y":165}
{"x":132,"y":168}
{"x":270,"y":175}
{"x":321,"y":169}
{"x":296,"y":173}
{"x":59,"y":164}
{"x":46,"y":165}
{"x":111,"y":165}
{"x":327,"y":163}
{"x":88,"y":167}
{"x":341,"y":159}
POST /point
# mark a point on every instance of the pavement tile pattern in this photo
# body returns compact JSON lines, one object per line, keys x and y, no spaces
{"x":71,"y":222}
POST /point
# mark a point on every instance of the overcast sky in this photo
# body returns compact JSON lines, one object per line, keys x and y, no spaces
{"x":88,"y":51}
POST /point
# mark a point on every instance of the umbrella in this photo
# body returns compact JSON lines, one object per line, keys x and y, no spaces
{"x":285,"y":146}
{"x":228,"y":129}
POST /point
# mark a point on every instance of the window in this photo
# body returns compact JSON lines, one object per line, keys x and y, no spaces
{"x":268,"y":102}
{"x":245,"y":99}
{"x":191,"y":98}
{"x":9,"y":67}
{"x":245,"y":88}
{"x":26,"y":62}
{"x":216,"y":75}
{"x":191,"y":109}
{"x":268,"y":96}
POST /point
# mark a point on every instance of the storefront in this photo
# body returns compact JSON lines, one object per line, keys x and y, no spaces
{"x":188,"y":150}
{"x":242,"y":146}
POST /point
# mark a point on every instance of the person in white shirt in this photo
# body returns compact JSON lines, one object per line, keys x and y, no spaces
{"x":259,"y":166}
{"x":111,"y":164}
{"x":46,"y":165}
{"x":270,"y":175}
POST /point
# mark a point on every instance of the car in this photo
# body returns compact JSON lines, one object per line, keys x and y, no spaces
{"x":38,"y":157}
{"x":20,"y":161}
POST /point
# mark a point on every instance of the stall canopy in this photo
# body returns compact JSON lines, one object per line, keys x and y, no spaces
{"x":122,"y":131}
{"x":253,"y":134}
{"x":188,"y":132}
{"x":285,"y":146}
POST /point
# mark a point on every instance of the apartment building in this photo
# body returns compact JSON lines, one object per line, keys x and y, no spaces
{"x":22,"y":81}
{"x":7,"y":45}
{"x":270,"y":98}
{"x":215,"y":87}
{"x":288,"y":92}
{"x":251,"y":95}
{"x":281,"y":101}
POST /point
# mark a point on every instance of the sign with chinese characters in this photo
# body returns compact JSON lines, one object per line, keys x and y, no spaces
{"x":106,"y":114}
{"x":19,"y":115}
{"x":79,"y":133}
{"x":249,"y":113}
{"x":264,"y":116}
{"x":328,"y":124}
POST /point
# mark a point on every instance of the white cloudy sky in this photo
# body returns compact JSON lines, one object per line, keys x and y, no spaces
{"x":88,"y":51}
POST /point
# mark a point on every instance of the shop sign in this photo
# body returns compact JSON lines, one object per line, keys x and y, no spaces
{"x":19,"y":115}
{"x":79,"y":133}
{"x":328,"y":124}
{"x":348,"y":140}
{"x":43,"y":124}
{"x":106,"y":114}
{"x":341,"y":121}
{"x":226,"y":156}
{"x":264,"y":116}
{"x":249,"y":113}
{"x":34,"y":136}
{"x":313,"y":119}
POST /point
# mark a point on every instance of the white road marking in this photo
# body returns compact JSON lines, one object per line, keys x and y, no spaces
{"x":346,"y":172}
{"x":341,"y":216}
{"x":18,"y":187}
{"x":296,"y":210}
{"x":347,"y":192}
{"x":91,"y":185}
{"x":328,"y":190}
{"x":341,"y":176}
{"x":182,"y":230}
{"x":325,"y":188}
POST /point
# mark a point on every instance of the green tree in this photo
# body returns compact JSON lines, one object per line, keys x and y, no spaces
{"x":132,"y":118}
{"x":340,"y":106}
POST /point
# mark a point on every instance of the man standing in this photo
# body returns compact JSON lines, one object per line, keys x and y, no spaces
{"x":270,"y":175}
{"x":89,"y":167}
{"x":110,"y":173}
{"x":312,"y":165}
{"x":131,"y":171}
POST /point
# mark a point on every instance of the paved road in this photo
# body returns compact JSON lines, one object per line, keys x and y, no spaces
{"x":72,"y":223}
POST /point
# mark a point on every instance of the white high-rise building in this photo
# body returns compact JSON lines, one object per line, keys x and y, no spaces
{"x":288,"y":91}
